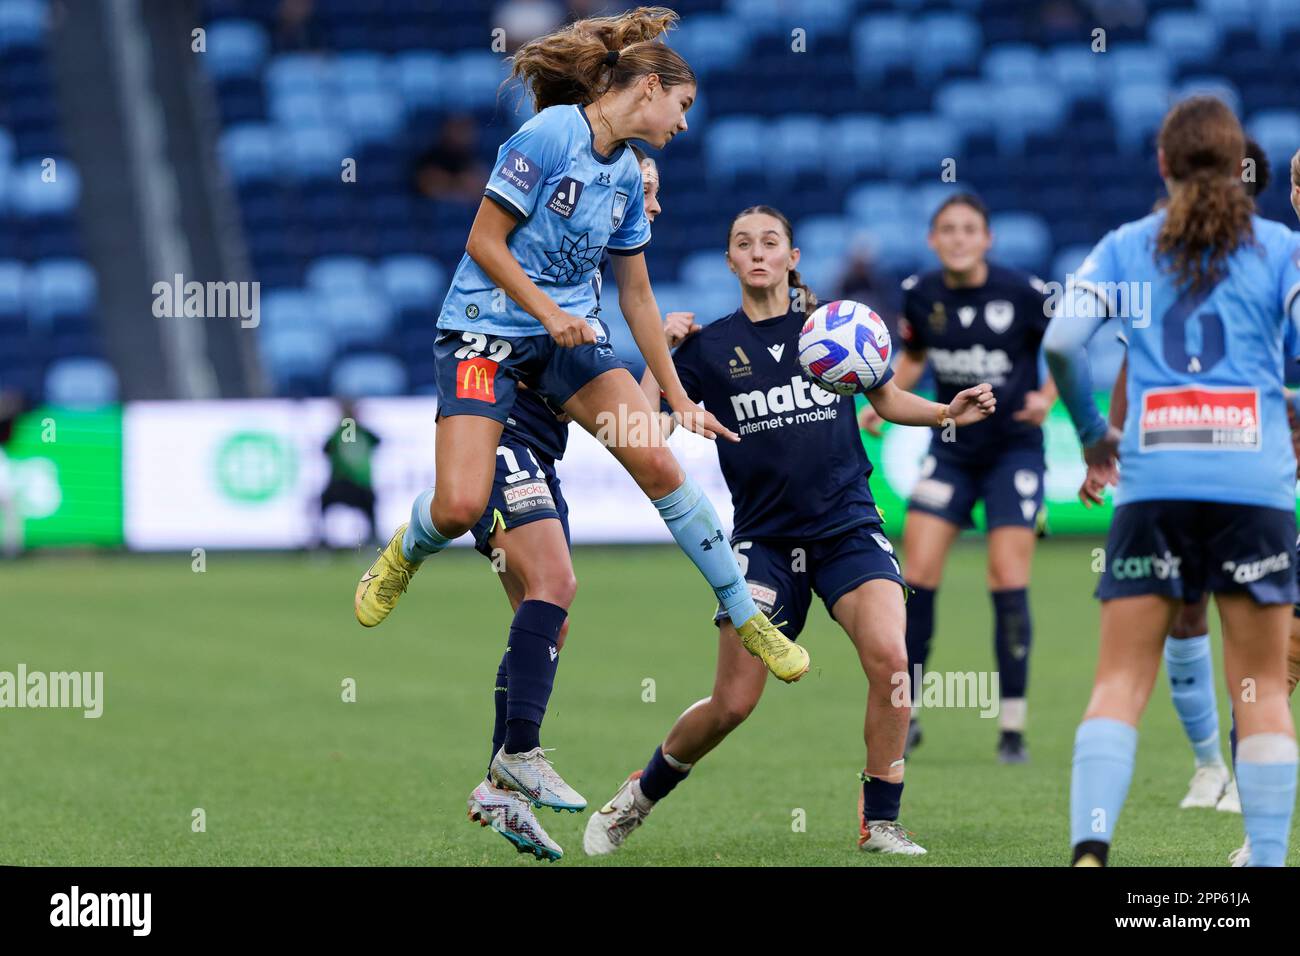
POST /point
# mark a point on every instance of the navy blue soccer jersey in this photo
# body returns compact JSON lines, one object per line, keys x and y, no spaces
{"x":990,"y":333}
{"x":799,"y":469}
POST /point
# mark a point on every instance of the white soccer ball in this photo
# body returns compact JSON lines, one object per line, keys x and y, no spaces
{"x":845,"y":347}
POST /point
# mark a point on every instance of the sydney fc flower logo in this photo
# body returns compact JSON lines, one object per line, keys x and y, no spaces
{"x":574,"y":258}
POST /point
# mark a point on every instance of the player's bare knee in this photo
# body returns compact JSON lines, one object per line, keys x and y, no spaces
{"x":733,"y":711}
{"x":658,"y":473}
{"x":884,"y":669}
{"x":456,"y":512}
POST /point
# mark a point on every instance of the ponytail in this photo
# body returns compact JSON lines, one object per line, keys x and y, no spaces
{"x":796,"y":282}
{"x":590,"y":57}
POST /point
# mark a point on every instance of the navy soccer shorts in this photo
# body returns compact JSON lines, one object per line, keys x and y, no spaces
{"x":524,"y":489}
{"x":1184,"y":549}
{"x":783,"y":575}
{"x":1011,"y":488}
{"x":478,"y":374}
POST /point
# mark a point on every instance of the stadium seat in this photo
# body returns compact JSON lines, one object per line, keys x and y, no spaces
{"x":708,"y":267}
{"x":419,"y":77}
{"x":1076,"y":69}
{"x":289,"y":310}
{"x":1185,"y":37}
{"x":60,"y":287}
{"x":297,"y":108}
{"x":881,"y":42}
{"x":358,"y":318}
{"x":860,"y":146}
{"x":921,"y":143}
{"x":296,"y":353}
{"x":795,"y":144}
{"x":1211,"y":86}
{"x":1128,"y":64}
{"x":735,"y":146}
{"x":251,"y":152}
{"x":822,"y":238}
{"x":340,"y":275}
{"x":898,"y":246}
{"x":1280,"y":19}
{"x":1025,"y":109}
{"x":360,"y":70}
{"x":289,"y":73}
{"x":1066,"y":262}
{"x":235,"y":48}
{"x":34,"y":193}
{"x":1138,"y":110}
{"x":22,"y":23}
{"x":7,"y":149}
{"x":927,"y":199}
{"x":368,"y":376}
{"x":13,"y":289}
{"x":969,"y":105}
{"x":1021,"y":240}
{"x":711,"y":42}
{"x":1231,"y":14}
{"x":879,"y":202}
{"x":372,"y":115}
{"x":1013,"y":63}
{"x":317,"y":152}
{"x":84,"y":382}
{"x":945,"y":41}
{"x":413,"y":282}
{"x":1278,"y":132}
{"x":473,"y":78}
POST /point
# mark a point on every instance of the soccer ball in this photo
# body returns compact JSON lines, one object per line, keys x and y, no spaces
{"x":845,"y":347}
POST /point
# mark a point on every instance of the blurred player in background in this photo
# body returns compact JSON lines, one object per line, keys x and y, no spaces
{"x":805,"y":522}
{"x":521,"y":309}
{"x":974,"y":321}
{"x":1188,"y":659}
{"x":1206,"y":501}
{"x":12,"y":404}
{"x":350,"y":450}
{"x":525,"y":533}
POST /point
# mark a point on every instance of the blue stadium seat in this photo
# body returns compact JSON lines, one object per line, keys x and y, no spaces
{"x":31,"y":195}
{"x":1014,"y":63}
{"x":289,"y":310}
{"x":1225,"y":90}
{"x":317,"y":152}
{"x":296,"y":108}
{"x":1232,"y":14}
{"x":921,"y":143}
{"x":1021,"y":240}
{"x":419,"y":75}
{"x":798,"y":144}
{"x":368,"y":376}
{"x":359,"y":70}
{"x":735,"y":146}
{"x":880,"y":42}
{"x":22,"y":23}
{"x":80,"y":382}
{"x":61,"y":287}
{"x":944,"y":41}
{"x":372,"y":115}
{"x":358,"y":318}
{"x":235,"y":48}
{"x":860,"y":145}
{"x":1278,"y":132}
{"x":927,"y":199}
{"x":414,"y":282}
{"x":7,"y":149}
{"x":290,"y":73}
{"x":1280,"y":18}
{"x":340,"y":275}
{"x":1138,"y":110}
{"x":968,"y":105}
{"x":1076,"y":69}
{"x":1185,"y":37}
{"x":879,"y":202}
{"x":822,"y":238}
{"x":251,"y":152}
{"x":898,"y":246}
{"x":296,"y":353}
{"x":13,"y":289}
{"x":1066,"y":262}
{"x":1127,"y":64}
{"x":707,"y":267}
{"x":473,"y":78}
{"x":711,"y":41}
{"x":1025,"y":109}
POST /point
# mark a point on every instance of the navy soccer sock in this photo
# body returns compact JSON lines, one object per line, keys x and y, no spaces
{"x":920,"y":628}
{"x":531,"y":661}
{"x":880,"y":798}
{"x":499,"y":705}
{"x":1013,"y":633}
{"x":661,"y":774}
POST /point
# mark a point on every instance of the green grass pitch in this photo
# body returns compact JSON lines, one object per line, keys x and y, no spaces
{"x":223,"y":691}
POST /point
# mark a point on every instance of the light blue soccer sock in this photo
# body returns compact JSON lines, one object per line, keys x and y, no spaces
{"x":422,"y":539}
{"x":1191,"y":683}
{"x":1266,"y":779}
{"x":1104,"y":751}
{"x":696,"y":529}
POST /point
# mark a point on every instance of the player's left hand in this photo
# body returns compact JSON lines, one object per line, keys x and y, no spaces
{"x":1034,"y":410}
{"x":702,"y":422}
{"x":1103,"y":455}
{"x":1093,"y":490}
{"x":972,"y":404}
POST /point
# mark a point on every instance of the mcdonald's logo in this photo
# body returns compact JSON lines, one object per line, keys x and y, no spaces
{"x":476,"y":378}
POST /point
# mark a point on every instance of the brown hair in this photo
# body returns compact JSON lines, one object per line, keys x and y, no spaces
{"x":1295,"y":169}
{"x":573,"y":65}
{"x":1263,"y":169}
{"x":1208,"y":216}
{"x":795,"y":280}
{"x":962,"y":199}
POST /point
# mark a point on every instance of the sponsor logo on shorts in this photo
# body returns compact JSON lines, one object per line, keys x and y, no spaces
{"x":1222,"y":419}
{"x":519,"y":171}
{"x":932,"y":493}
{"x":476,"y":379}
{"x":764,"y":596}
{"x":1247,"y":571}
{"x":1162,"y":567}
{"x":527,"y":496}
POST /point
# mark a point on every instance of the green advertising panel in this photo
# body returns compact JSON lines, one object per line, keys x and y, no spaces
{"x":62,"y":472}
{"x":898,"y":454}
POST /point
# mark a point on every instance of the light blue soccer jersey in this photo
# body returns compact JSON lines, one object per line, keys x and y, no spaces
{"x":1206,"y":409}
{"x":572,"y":204}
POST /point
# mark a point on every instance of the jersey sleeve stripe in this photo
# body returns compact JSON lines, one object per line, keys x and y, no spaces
{"x":1101,"y":297}
{"x":628,"y":252}
{"x":505,"y":202}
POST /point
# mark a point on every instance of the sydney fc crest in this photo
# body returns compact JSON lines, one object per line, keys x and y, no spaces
{"x":620,"y":207}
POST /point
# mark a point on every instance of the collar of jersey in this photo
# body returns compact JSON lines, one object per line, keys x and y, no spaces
{"x":743,"y":316}
{"x":596,"y":154}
